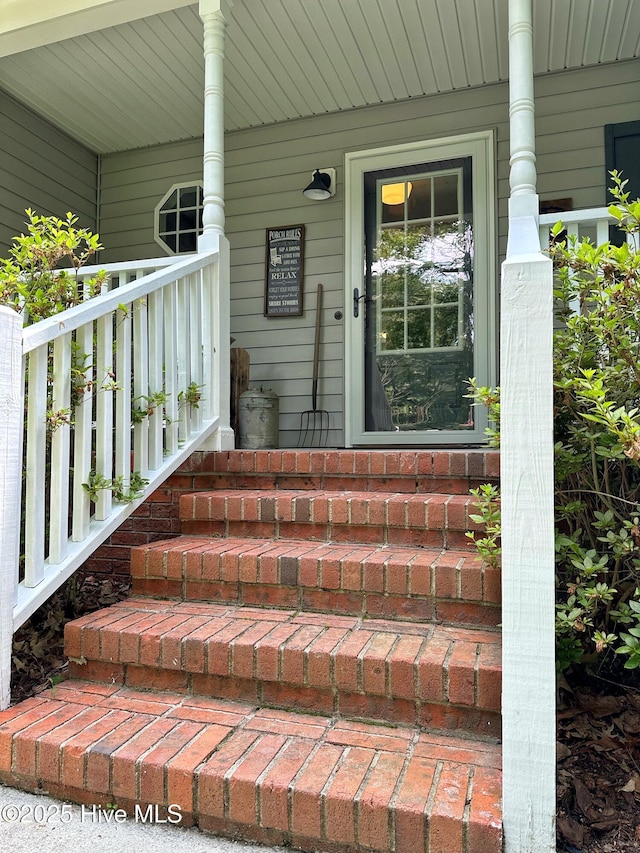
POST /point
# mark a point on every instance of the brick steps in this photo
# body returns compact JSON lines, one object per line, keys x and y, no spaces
{"x":353,"y":579}
{"x":420,"y":674}
{"x":433,"y":520}
{"x":275,"y":777}
{"x":304,"y":583}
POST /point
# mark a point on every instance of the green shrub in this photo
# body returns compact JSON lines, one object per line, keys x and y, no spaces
{"x":39,"y":278}
{"x":597,"y":443}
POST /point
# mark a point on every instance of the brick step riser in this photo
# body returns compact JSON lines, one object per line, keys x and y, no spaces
{"x":340,"y":534}
{"x":309,"y":782}
{"x":445,"y":471}
{"x":392,"y":583}
{"x":439,"y":717}
{"x":434,"y":521}
{"x":440,"y":677}
{"x":337,"y":482}
{"x":416,"y":608}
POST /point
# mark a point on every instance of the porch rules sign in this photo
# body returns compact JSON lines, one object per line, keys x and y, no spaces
{"x":284,"y":274}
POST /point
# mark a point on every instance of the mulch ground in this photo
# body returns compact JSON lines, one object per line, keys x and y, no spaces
{"x":38,"y":660}
{"x":598,"y":791}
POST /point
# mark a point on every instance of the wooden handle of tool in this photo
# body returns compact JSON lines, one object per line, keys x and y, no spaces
{"x":316,"y":351}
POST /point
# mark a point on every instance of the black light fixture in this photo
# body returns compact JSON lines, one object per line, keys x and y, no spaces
{"x":322,"y":186}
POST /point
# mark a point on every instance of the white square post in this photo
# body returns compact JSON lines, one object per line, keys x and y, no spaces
{"x":11,"y":440}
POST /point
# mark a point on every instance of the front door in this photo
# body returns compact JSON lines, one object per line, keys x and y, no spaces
{"x":420,"y":291}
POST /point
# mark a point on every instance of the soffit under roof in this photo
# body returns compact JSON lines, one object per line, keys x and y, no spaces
{"x":140,"y":83}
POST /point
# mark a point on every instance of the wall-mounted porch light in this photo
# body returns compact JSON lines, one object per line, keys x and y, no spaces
{"x":322,"y":186}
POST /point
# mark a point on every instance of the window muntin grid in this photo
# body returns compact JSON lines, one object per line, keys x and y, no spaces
{"x":178,"y":218}
{"x":421,"y":264}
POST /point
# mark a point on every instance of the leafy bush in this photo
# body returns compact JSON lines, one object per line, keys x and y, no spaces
{"x":39,"y":278}
{"x":597,"y":443}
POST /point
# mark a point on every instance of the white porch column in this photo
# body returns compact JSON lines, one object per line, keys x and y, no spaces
{"x":528,"y":596}
{"x":214,"y":14}
{"x":523,"y":200}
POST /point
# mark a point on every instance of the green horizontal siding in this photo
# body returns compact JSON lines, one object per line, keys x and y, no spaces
{"x":41,"y":168}
{"x":266,"y":169}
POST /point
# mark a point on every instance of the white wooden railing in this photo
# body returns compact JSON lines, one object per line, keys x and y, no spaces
{"x":592,"y":223}
{"x":118,"y":390}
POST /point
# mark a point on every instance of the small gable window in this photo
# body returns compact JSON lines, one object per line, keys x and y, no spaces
{"x":178,"y":219}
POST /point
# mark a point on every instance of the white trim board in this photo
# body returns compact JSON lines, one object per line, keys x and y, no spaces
{"x":24,"y":26}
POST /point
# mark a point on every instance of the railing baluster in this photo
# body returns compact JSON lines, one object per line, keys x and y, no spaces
{"x":171,"y":368}
{"x":573,"y":230}
{"x":184,"y":371}
{"x":123,"y":395}
{"x":156,"y":379}
{"x":105,"y":374}
{"x":195,"y":339}
{"x":208,"y":355}
{"x":36,"y":467}
{"x":83,"y":419}
{"x":543,"y":230}
{"x":602,"y":231}
{"x":574,"y":219}
{"x":141,"y":388}
{"x":60,"y":451}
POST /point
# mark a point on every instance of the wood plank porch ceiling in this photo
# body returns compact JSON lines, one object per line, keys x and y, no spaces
{"x":140,"y":83}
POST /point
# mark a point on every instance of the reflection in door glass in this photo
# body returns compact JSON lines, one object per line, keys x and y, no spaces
{"x":420,"y":283}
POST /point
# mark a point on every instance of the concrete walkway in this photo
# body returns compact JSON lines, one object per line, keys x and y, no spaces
{"x":31,"y":823}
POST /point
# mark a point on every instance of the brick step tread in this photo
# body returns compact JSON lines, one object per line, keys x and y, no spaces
{"x":428,"y":520}
{"x":424,"y":511}
{"x":430,"y":675}
{"x":376,"y":580}
{"x":277,"y":777}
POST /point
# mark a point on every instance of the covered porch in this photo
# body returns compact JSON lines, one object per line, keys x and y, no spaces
{"x":374,"y":89}
{"x":281,"y":93}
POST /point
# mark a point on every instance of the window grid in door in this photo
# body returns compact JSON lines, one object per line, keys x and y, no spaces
{"x":419,"y":270}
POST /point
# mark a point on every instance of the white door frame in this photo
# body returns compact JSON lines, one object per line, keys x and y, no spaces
{"x":480,"y":146}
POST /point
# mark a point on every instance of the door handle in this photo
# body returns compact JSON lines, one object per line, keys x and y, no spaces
{"x":357,"y":296}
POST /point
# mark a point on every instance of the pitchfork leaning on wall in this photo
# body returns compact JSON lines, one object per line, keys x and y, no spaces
{"x":314,"y":422}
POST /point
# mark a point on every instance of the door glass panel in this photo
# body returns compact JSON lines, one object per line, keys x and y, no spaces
{"x":419,"y":289}
{"x":446,"y":189}
{"x":392,"y":331}
{"x":419,"y":201}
